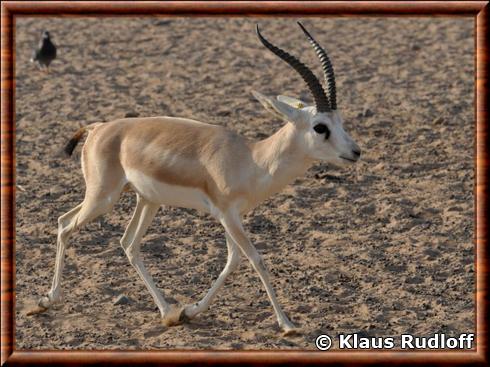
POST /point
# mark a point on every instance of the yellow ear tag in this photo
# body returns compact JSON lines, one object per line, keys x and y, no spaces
{"x":299,"y":105}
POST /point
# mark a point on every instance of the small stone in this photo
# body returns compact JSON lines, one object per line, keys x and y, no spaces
{"x":415,"y":47}
{"x":367,"y":112}
{"x":438,"y":120}
{"x":414,"y":280}
{"x":455,"y":209}
{"x":131,"y":114}
{"x":122,"y":300}
{"x":369,"y":209}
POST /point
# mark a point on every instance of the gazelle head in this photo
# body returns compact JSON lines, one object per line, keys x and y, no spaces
{"x":319,"y":128}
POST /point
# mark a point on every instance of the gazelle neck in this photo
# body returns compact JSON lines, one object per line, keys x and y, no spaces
{"x":279,"y":159}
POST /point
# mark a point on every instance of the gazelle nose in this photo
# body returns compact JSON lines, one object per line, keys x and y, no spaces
{"x":357,"y":152}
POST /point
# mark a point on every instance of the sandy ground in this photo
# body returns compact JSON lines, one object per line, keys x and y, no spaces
{"x":381,"y":248}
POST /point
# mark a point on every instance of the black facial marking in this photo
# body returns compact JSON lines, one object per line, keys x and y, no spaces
{"x":322,"y":129}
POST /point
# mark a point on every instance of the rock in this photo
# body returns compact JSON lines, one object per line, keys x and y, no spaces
{"x":414,"y":280}
{"x":122,"y":300}
{"x":161,"y":23}
{"x":366,"y":112}
{"x":131,"y":114}
{"x":396,"y":268}
{"x":236,"y":346}
{"x":432,"y":254}
{"x":415,"y":47}
{"x":369,"y":209}
{"x":455,"y":209}
{"x":438,"y":120}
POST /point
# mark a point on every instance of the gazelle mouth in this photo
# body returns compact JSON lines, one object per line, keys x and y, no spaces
{"x":348,"y":159}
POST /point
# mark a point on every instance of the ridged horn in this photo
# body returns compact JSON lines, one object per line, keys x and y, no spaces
{"x":321,"y":100}
{"x":327,"y":68}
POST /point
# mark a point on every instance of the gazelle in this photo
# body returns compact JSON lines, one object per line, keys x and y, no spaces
{"x":185,"y":163}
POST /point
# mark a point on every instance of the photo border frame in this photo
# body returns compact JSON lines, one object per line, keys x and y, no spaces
{"x":478,"y":10}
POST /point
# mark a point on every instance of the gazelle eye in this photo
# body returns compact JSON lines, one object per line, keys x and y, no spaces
{"x":322,"y":129}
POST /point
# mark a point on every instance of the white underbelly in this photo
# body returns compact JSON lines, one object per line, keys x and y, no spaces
{"x":164,"y":194}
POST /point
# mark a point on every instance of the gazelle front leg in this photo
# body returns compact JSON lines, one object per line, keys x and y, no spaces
{"x":231,"y":265}
{"x":233,"y":226}
{"x":131,"y":241}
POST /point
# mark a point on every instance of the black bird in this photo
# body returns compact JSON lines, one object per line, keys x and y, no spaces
{"x":46,"y":52}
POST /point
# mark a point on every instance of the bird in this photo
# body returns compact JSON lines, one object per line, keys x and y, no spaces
{"x":45,"y":53}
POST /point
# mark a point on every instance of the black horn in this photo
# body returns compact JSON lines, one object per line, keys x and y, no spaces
{"x":321,"y":100}
{"x":327,"y":68}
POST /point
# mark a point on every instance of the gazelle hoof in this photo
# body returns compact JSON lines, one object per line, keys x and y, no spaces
{"x":36,"y":310}
{"x":43,"y":305}
{"x":174,"y":316}
{"x":290,"y":329}
{"x":44,"y":302}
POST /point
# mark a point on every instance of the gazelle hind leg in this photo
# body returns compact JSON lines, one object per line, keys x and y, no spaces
{"x":91,"y":207}
{"x":131,"y":243}
{"x":231,"y":265}
{"x":66,"y":224}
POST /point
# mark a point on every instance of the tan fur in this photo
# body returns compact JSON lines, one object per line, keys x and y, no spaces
{"x":187,"y":153}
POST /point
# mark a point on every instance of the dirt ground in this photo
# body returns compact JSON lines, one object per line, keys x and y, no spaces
{"x":381,"y":248}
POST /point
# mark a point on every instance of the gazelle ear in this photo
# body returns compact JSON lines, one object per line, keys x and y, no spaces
{"x":294,"y":102}
{"x":280,"y":109}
